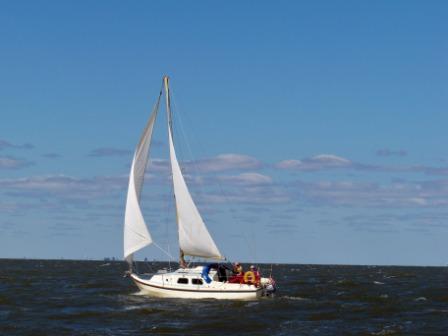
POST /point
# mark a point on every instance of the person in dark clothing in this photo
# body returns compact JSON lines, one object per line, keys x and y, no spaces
{"x":222,"y":272}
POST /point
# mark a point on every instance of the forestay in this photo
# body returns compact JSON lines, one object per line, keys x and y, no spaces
{"x":136,"y":234}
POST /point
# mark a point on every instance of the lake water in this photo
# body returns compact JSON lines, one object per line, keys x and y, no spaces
{"x":58,"y":297}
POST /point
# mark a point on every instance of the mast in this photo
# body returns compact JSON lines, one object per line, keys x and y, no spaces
{"x":168,"y":102}
{"x":169,"y":118}
{"x":194,"y":238}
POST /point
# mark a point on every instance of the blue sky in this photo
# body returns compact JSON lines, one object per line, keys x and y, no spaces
{"x":311,"y":132}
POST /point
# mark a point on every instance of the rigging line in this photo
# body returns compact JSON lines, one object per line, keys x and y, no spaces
{"x":188,"y":152}
{"x":135,"y":265}
{"x":179,"y":118}
{"x":182,"y":130}
{"x":148,"y":265}
{"x":169,"y":260}
{"x":169,"y":206}
{"x":163,"y":250}
{"x":168,"y":210}
{"x":169,"y":116}
{"x":232,"y":211}
{"x":183,"y":135}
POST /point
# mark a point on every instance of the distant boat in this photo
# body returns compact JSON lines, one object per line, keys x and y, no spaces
{"x":214,"y":280}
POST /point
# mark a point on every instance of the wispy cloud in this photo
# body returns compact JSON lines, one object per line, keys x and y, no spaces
{"x":318,"y":162}
{"x":53,"y":190}
{"x":399,"y":194}
{"x":281,"y":228}
{"x":248,"y":195}
{"x":9,"y":162}
{"x":232,"y":178}
{"x":430,"y":170}
{"x":422,"y":222}
{"x":6,"y":144}
{"x":109,"y":151}
{"x":324,"y":162}
{"x":158,"y":165}
{"x":249,"y":190}
{"x":225,"y":162}
{"x":219,"y":163}
{"x":247,"y":179}
{"x":65,"y":187}
{"x":51,"y":155}
{"x":391,"y":152}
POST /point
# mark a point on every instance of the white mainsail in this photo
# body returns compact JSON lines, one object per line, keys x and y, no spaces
{"x":194,"y":238}
{"x":136,"y":234}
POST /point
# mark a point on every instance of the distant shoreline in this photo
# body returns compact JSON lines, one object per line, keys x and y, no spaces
{"x":259,"y":263}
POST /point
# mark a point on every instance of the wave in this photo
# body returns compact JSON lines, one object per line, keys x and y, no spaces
{"x":294,"y":298}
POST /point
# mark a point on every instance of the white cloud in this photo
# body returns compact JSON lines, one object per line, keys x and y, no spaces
{"x":391,"y":152}
{"x":318,"y":162}
{"x":248,"y":195}
{"x":369,"y":194}
{"x":421,"y":221}
{"x":63,"y":186}
{"x":217,"y":163}
{"x":252,"y":179}
{"x":330,"y":162}
{"x":224,"y":162}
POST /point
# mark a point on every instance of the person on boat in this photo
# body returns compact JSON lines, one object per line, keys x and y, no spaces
{"x":182,"y":262}
{"x":238,"y":274}
{"x":237,"y":268}
{"x":257,"y":275}
{"x":222,"y":272}
{"x":206,"y":271}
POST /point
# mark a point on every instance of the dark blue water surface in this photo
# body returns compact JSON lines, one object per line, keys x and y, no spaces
{"x":92,"y":298}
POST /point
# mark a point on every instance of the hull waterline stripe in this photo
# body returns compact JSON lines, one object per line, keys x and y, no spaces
{"x":194,"y":290}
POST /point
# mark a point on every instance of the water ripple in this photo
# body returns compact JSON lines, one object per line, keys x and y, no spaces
{"x":92,"y":298}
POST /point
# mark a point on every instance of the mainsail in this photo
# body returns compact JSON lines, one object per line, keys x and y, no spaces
{"x":194,"y":238}
{"x":136,"y":234}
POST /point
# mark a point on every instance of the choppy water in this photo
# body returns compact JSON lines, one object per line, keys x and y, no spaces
{"x":92,"y":298}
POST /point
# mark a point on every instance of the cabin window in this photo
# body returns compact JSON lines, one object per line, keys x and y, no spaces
{"x":196,"y":281}
{"x":182,"y":281}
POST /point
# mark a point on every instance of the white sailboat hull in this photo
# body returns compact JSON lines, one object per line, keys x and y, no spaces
{"x":166,"y":285}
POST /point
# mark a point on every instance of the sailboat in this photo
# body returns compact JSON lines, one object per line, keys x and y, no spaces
{"x":211,"y":281}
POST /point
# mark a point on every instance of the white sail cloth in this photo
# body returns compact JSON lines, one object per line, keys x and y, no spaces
{"x":194,"y":238}
{"x":136,"y":234}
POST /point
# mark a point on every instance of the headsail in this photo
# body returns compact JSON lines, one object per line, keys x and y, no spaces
{"x":194,"y":238}
{"x":136,"y":234}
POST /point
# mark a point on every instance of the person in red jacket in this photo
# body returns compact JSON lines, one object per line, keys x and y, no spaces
{"x":238,"y":276}
{"x":237,"y":268}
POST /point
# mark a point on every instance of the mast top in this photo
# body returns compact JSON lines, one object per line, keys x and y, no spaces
{"x":165,"y":84}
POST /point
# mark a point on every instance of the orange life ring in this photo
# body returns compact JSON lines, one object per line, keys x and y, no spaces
{"x":249,"y":277}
